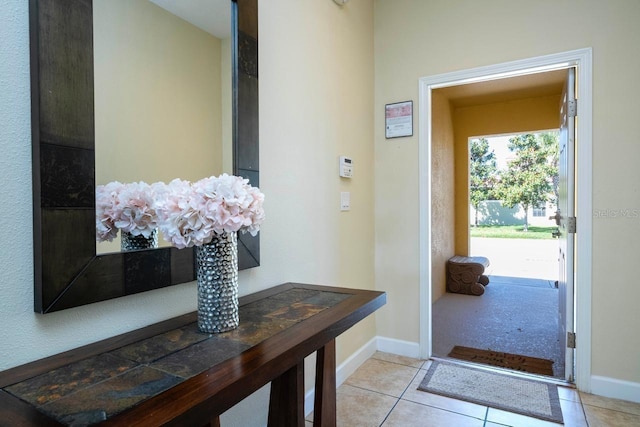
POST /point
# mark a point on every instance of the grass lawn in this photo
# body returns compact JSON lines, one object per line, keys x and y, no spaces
{"x":512,"y":232}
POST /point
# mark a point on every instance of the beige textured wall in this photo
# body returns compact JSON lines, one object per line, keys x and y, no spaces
{"x":409,"y":44}
{"x":316,"y":104}
{"x":524,"y":115}
{"x":157,"y":97}
{"x":443,"y":174}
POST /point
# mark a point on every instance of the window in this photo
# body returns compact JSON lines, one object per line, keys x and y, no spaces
{"x":540,"y":211}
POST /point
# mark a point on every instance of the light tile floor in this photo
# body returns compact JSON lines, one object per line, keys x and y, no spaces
{"x":383,"y":392}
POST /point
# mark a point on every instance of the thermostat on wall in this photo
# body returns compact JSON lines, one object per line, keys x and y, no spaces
{"x":346,"y":167}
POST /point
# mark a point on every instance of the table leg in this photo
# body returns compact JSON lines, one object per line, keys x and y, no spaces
{"x":324,"y":409}
{"x":286,"y":403}
{"x":215,"y":422}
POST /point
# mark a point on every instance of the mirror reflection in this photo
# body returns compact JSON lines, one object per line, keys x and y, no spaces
{"x":162,"y":76}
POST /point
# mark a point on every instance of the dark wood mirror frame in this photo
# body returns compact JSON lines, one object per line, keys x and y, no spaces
{"x":68,"y":273}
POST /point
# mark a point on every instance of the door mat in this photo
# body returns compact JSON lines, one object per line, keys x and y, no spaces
{"x":517,"y":362}
{"x":523,"y":396}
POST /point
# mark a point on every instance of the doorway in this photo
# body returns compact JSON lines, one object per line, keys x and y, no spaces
{"x":512,"y":188}
{"x":580,"y":59}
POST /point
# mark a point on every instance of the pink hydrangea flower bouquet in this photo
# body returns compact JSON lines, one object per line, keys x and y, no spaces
{"x":191,"y":214}
{"x":127,"y":207}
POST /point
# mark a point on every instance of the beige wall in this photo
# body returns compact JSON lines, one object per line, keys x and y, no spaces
{"x":316,"y":103}
{"x":443,"y":174}
{"x":524,"y":115}
{"x":410,"y":43}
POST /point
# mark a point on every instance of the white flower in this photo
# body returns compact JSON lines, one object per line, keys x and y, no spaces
{"x":106,"y":201}
{"x":127,"y":207}
{"x":191,"y":214}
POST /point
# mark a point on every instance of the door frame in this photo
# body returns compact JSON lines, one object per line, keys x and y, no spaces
{"x":582,"y":59}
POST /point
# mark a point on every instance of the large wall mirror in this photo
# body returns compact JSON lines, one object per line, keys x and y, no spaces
{"x":128,"y":91}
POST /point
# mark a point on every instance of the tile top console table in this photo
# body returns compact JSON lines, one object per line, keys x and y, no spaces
{"x":172,"y":374}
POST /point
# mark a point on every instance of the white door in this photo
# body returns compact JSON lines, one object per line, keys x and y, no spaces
{"x":565,"y":218}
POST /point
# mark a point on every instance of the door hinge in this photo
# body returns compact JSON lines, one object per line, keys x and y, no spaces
{"x":571,"y":224}
{"x":571,"y":340}
{"x":572,"y":107}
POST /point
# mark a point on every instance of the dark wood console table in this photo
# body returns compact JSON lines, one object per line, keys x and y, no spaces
{"x":172,"y":374}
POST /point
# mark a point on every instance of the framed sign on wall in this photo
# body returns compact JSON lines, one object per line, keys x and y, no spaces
{"x":398,"y":119}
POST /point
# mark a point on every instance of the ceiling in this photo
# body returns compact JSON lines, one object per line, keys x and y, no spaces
{"x":506,"y":89}
{"x":212,"y":16}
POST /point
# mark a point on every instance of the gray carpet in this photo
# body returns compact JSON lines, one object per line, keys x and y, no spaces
{"x":513,"y":316}
{"x":519,"y":395}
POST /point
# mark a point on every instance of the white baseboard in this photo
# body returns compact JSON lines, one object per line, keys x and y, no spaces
{"x":353,"y":362}
{"x":399,"y":347}
{"x":601,"y":386}
{"x":616,"y":389}
{"x":345,"y":369}
{"x":309,"y":397}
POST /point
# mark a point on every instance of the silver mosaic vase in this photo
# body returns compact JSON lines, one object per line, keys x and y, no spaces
{"x":129,"y":242}
{"x":217,"y":274}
